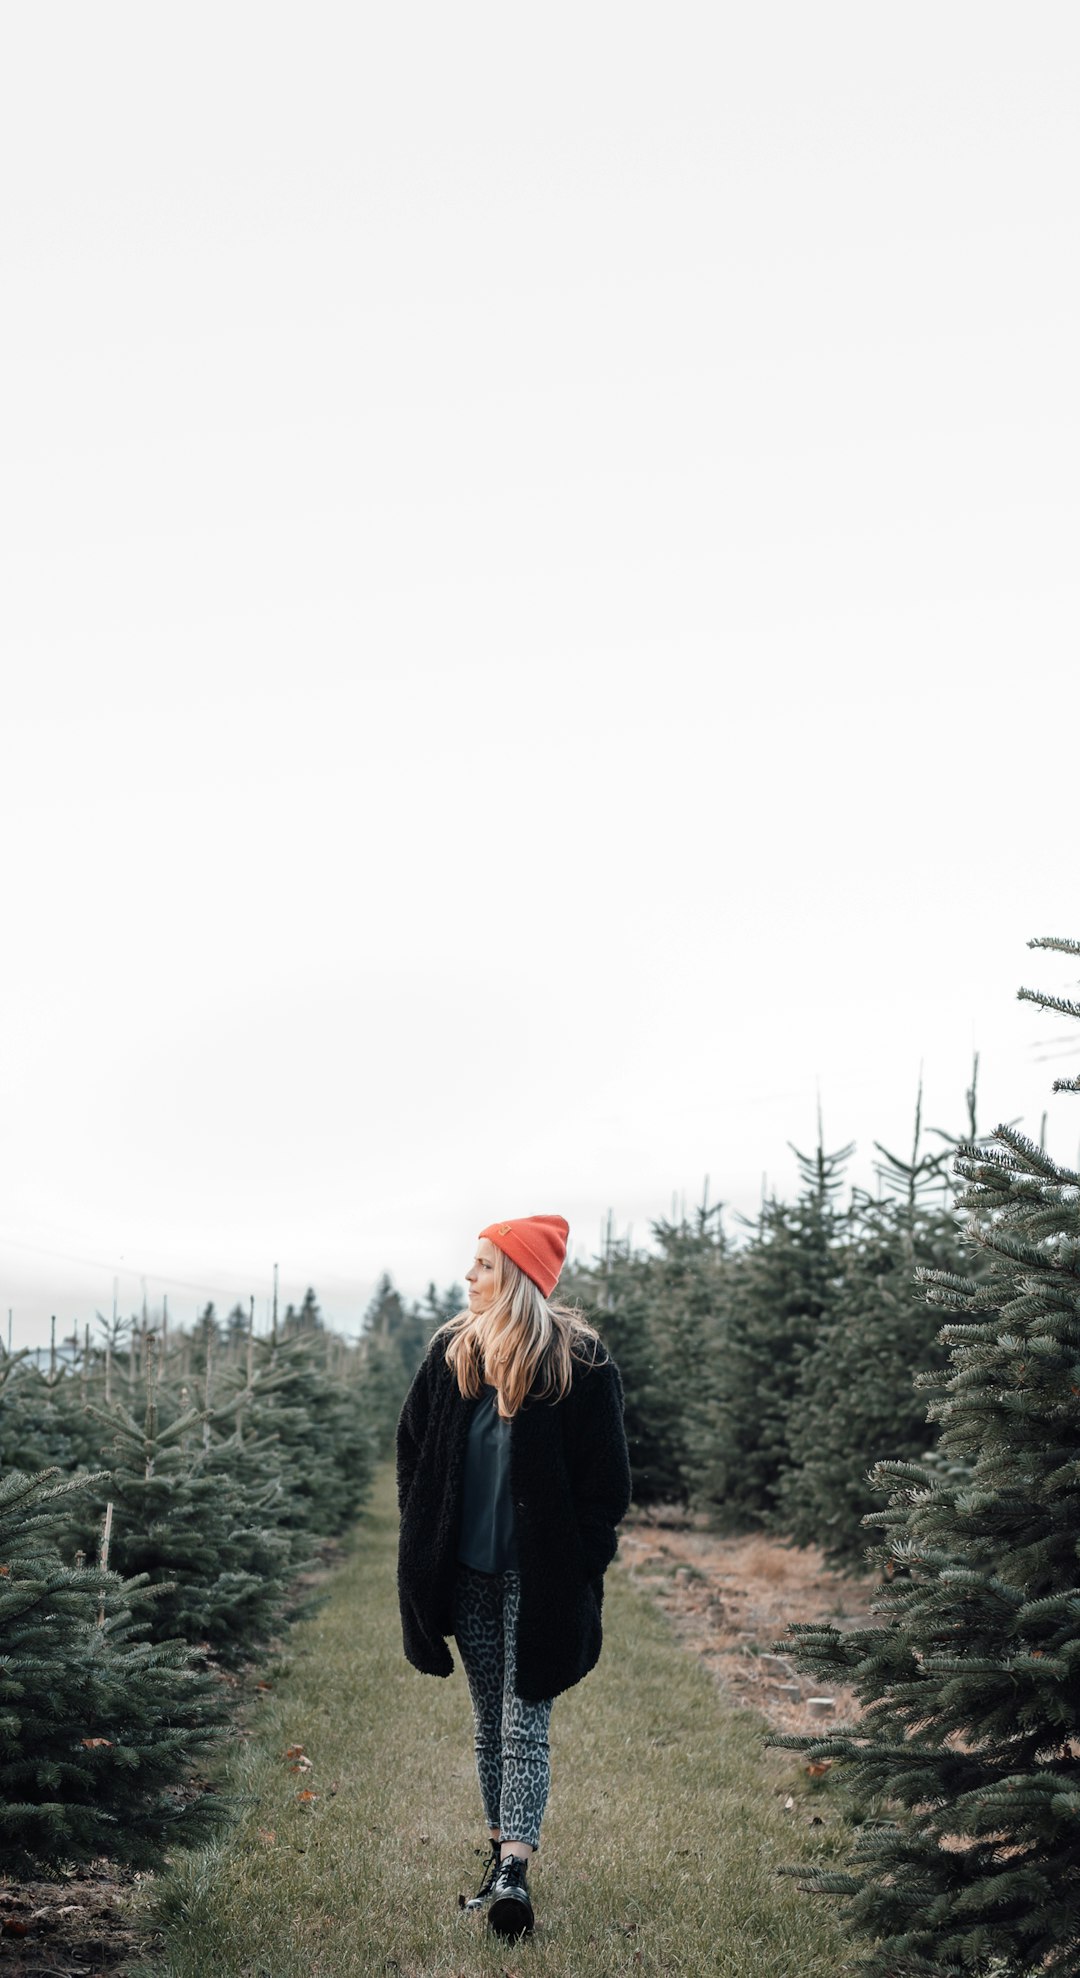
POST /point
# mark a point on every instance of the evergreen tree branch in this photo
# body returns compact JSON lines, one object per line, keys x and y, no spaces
{"x":1061,"y":945}
{"x":1044,"y":1001}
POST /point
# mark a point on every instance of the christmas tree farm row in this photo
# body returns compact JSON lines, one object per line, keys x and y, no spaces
{"x":767,"y":1371}
{"x":163,"y":1497}
{"x":804,"y":1380}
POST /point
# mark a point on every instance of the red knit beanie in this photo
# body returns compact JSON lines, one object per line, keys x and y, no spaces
{"x":536,"y":1244}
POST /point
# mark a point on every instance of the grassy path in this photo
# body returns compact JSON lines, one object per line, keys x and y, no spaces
{"x":660,"y":1847}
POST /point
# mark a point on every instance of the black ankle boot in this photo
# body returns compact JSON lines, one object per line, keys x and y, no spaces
{"x":483,"y":1894}
{"x":510,"y":1912}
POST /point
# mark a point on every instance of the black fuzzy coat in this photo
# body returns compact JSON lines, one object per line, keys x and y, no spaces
{"x":570,"y":1479}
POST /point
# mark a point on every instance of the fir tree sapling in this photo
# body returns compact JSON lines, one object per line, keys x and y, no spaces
{"x":967,"y":1760}
{"x":618,"y":1292}
{"x":319,"y":1417}
{"x":308,"y":1319}
{"x":855,"y":1399}
{"x":656,"y":1310}
{"x":393,"y":1343}
{"x":191,"y":1519}
{"x":43,"y":1418}
{"x":688,"y":1277}
{"x":99,"y":1729}
{"x":782,"y":1291}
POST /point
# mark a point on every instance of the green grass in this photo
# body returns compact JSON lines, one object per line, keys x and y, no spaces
{"x":660,"y":1850}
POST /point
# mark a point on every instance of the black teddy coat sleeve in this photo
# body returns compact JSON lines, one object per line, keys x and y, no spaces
{"x":570,"y":1479}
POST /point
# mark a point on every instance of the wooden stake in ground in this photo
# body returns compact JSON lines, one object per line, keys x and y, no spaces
{"x":103,"y":1554}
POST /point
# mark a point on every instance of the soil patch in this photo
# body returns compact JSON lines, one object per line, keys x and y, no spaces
{"x":730,"y":1599}
{"x":66,"y":1929}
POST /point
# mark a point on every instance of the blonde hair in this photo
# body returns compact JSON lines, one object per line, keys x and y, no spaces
{"x":520,"y":1345}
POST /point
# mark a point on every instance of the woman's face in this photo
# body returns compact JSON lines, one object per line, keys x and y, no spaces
{"x":481,"y":1277}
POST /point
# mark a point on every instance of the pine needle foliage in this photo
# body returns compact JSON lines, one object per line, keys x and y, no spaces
{"x":392,"y":1344}
{"x":856,"y":1398}
{"x":191,"y":1523}
{"x":43,"y":1422}
{"x":307,"y":1400}
{"x":967,"y":1760}
{"x":855,"y":1395}
{"x":693,"y":1267}
{"x":782,"y":1292}
{"x":656,"y":1310}
{"x":99,"y":1728}
{"x":225,"y":1461}
{"x":619,"y":1291}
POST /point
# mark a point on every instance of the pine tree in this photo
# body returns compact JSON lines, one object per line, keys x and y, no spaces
{"x":969,"y":1756}
{"x":856,"y":1400}
{"x":437,"y":1308}
{"x":620,"y":1292}
{"x":99,"y":1730}
{"x":308,"y":1319}
{"x":237,"y":1326}
{"x":393,"y":1343}
{"x":205,"y":1342}
{"x":657,"y":1310}
{"x":307,"y":1396}
{"x":42,"y":1420}
{"x":686,"y":1284}
{"x":188,"y":1519}
{"x":782,"y":1290}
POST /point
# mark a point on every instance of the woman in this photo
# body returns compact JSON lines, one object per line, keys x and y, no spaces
{"x":512,"y":1476}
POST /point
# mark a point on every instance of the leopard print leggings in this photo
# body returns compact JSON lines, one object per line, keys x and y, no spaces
{"x":511,"y":1735}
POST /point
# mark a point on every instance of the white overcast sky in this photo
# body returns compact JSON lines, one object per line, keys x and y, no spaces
{"x":539,"y":609}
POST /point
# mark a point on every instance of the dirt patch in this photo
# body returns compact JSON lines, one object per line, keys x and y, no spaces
{"x":84,"y":1925}
{"x":730,"y":1599}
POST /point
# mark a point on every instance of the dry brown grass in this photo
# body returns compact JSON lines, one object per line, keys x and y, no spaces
{"x":761,"y":1558}
{"x":730,"y":1599}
